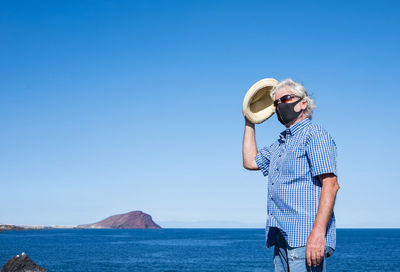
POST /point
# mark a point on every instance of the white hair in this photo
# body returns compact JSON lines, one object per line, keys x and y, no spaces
{"x":297,"y":89}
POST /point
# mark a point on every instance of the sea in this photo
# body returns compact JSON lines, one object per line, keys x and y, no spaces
{"x":179,"y":250}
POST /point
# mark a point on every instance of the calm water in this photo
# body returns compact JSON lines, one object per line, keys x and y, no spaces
{"x":188,"y":250}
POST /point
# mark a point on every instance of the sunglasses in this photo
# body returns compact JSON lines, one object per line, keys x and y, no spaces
{"x":285,"y":99}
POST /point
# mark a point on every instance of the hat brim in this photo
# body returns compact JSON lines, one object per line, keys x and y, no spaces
{"x":258,"y":105}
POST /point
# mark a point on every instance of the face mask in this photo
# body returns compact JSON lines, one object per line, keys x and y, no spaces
{"x":286,"y":112}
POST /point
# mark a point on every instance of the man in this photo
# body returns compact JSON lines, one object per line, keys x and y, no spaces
{"x":302,"y":183}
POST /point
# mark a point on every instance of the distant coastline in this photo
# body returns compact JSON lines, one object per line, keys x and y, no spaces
{"x":130,"y":220}
{"x":4,"y":227}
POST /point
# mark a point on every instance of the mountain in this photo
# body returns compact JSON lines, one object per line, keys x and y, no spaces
{"x":130,"y":220}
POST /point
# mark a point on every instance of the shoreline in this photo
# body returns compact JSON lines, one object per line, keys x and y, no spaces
{"x":7,"y":227}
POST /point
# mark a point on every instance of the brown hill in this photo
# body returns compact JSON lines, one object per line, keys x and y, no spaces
{"x":130,"y":220}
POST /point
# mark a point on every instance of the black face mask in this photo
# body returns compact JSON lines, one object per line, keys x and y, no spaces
{"x":286,"y":112}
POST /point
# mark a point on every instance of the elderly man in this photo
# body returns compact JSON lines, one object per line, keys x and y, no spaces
{"x":302,"y":183}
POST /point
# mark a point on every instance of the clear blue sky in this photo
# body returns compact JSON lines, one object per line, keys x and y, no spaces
{"x":113,"y":106}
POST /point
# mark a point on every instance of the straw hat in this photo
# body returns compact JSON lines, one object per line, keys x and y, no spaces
{"x":258,"y":105}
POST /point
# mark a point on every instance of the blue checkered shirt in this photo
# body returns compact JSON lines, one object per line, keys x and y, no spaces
{"x":292,"y":164}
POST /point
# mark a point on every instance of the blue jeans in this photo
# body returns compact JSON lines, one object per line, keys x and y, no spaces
{"x":294,"y":259}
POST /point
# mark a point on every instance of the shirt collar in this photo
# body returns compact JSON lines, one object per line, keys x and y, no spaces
{"x":295,"y":128}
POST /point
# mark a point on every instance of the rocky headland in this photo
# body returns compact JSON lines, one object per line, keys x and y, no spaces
{"x":130,"y":220}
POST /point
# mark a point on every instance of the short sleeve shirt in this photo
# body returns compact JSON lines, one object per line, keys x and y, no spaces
{"x":292,"y":164}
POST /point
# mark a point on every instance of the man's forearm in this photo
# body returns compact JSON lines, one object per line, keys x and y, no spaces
{"x":249,"y":143}
{"x":316,"y":240}
{"x":326,"y":204}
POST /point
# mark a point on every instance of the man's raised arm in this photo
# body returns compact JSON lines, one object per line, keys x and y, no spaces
{"x":249,"y":146}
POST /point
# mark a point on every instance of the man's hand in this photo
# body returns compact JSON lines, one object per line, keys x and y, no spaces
{"x":248,"y":122}
{"x":315,"y":248}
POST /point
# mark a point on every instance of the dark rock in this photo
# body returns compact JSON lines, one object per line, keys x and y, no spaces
{"x":21,"y":263}
{"x":130,"y":220}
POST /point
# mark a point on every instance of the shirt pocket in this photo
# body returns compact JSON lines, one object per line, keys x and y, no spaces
{"x":295,"y":162}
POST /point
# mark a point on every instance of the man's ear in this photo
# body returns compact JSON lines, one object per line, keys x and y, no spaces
{"x":304,"y":104}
